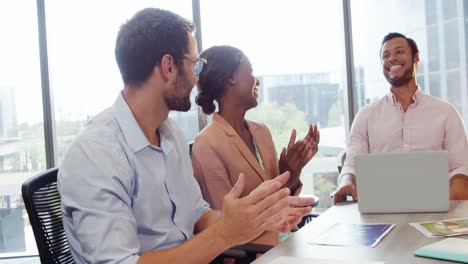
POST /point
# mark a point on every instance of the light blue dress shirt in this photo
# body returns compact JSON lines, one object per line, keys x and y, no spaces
{"x":122,"y":196}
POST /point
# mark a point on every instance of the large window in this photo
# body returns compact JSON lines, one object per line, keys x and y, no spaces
{"x":296,"y":49}
{"x":297,"y":53}
{"x":440,"y":30}
{"x":84,"y":76}
{"x":22,"y":151}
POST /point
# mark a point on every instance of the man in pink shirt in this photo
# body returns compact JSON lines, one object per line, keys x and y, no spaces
{"x":406,"y":119}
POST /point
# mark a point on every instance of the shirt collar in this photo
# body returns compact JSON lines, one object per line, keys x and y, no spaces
{"x":131,"y":130}
{"x":417,"y":96}
{"x":166,"y":137}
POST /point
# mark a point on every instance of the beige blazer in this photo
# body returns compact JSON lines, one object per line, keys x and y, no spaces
{"x":219,"y":155}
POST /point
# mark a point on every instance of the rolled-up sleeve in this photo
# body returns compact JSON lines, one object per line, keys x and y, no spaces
{"x":358,"y":142}
{"x":96,"y":204}
{"x":455,"y":142}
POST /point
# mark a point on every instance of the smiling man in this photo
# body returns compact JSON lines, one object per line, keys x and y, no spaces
{"x":127,"y":186}
{"x":406,"y":119}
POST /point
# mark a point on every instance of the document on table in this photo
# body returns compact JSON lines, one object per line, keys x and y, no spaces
{"x":344,"y":234}
{"x":294,"y":260}
{"x":448,"y":227}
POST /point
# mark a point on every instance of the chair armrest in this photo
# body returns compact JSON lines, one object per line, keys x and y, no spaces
{"x":242,"y":254}
{"x":234,"y":253}
{"x":306,"y":219}
{"x":253,"y":248}
{"x":340,"y":158}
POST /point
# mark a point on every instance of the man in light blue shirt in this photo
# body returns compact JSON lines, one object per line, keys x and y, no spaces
{"x":127,"y":186}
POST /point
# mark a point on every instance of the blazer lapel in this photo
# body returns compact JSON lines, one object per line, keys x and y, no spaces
{"x":239,"y":143}
{"x":266,"y":148}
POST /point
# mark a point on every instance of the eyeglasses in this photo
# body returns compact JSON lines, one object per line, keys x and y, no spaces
{"x":199,"y":63}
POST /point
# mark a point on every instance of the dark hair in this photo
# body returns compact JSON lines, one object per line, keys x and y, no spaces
{"x":144,"y":39}
{"x":223,"y":61}
{"x":411,"y":42}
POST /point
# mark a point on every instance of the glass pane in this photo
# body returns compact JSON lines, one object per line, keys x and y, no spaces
{"x":454,"y":91}
{"x":22,"y":149}
{"x":465,"y":7}
{"x":433,"y":49}
{"x":83,"y":72}
{"x":367,"y":40}
{"x":452,"y":49}
{"x":434,"y":84}
{"x":420,"y":81}
{"x":437,"y":41}
{"x":431,"y":15}
{"x":359,"y":87}
{"x":297,"y":53}
{"x":449,"y":9}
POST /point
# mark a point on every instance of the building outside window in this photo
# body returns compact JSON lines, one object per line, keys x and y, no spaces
{"x":22,"y":148}
{"x":84,"y":75}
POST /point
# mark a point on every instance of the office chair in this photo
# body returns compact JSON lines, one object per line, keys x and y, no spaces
{"x":242,"y":254}
{"x":308,"y":218}
{"x":42,"y":201}
{"x":190,"y":145}
{"x":340,"y":160}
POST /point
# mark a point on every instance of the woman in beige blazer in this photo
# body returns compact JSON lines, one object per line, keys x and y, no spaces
{"x":231,"y":145}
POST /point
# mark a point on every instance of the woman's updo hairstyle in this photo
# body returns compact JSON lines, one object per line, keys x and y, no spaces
{"x":223,"y":61}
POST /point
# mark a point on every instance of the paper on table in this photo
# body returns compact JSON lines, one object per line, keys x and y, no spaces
{"x":344,"y":234}
{"x":294,"y":260}
{"x":448,"y":227}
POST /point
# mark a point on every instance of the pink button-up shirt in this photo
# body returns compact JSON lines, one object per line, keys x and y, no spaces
{"x":428,"y":124}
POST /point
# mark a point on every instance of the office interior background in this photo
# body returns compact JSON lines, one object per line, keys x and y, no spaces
{"x":317,"y":62}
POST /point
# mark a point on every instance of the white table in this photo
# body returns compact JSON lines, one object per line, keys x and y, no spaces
{"x":397,"y":247}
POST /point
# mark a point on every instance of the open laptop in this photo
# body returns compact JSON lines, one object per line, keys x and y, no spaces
{"x":407,"y":182}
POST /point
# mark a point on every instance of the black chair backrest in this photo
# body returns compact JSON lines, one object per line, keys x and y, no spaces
{"x":190,"y":145}
{"x":341,"y":159}
{"x":42,"y":201}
